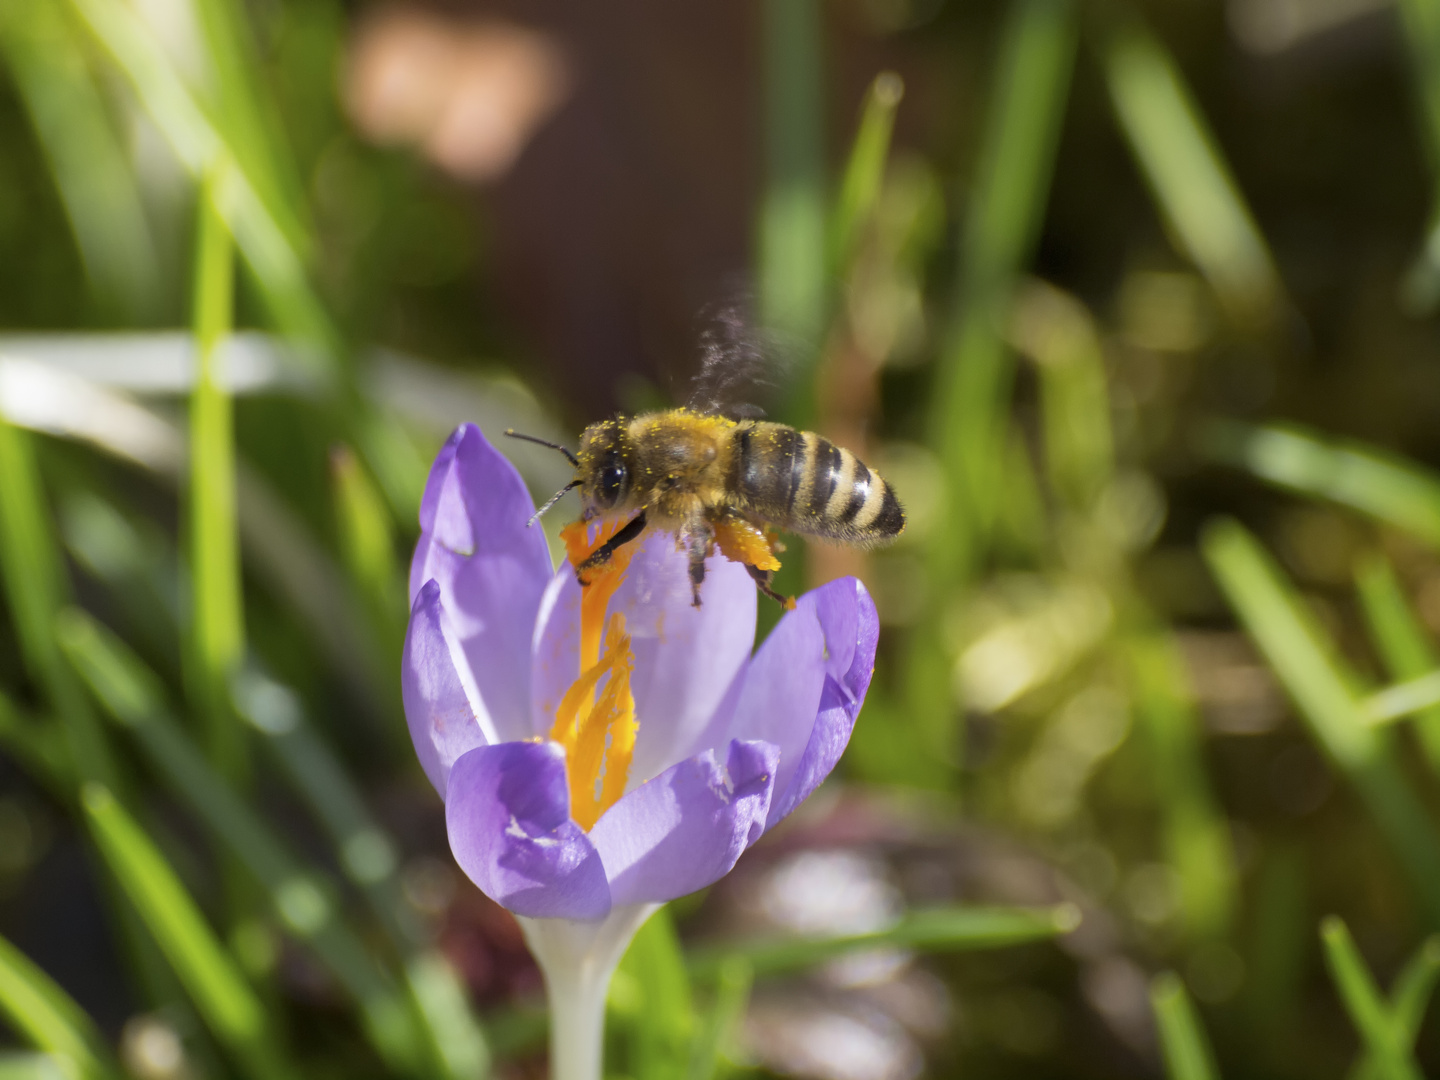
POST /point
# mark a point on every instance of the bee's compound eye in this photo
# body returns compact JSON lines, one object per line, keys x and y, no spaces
{"x":613,"y":478}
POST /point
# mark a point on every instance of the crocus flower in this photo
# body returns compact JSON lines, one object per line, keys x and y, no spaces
{"x":603,"y":750}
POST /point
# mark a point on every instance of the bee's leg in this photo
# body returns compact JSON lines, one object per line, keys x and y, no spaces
{"x":698,"y":541}
{"x":762,"y":582}
{"x":601,"y":555}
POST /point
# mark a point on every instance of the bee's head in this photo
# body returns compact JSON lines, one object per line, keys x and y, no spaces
{"x":604,"y":465}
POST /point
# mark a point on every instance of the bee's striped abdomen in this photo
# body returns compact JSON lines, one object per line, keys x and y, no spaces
{"x":807,"y":484}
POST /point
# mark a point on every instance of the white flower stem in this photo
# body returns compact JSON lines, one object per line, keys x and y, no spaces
{"x":578,"y":959}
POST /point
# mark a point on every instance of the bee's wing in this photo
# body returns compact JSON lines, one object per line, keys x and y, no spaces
{"x":741,"y":366}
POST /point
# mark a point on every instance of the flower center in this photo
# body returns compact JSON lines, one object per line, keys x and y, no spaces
{"x":595,"y":721}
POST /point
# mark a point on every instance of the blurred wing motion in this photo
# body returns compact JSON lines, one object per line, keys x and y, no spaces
{"x":740,"y":365}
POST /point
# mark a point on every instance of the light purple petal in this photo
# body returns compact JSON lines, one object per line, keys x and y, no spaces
{"x":847,"y":616}
{"x":685,"y":828}
{"x":443,"y":723}
{"x":685,"y":658}
{"x":779,"y":695}
{"x":508,"y":814}
{"x":491,"y":567}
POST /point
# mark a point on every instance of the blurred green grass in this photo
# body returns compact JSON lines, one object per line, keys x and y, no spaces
{"x":1124,"y":300}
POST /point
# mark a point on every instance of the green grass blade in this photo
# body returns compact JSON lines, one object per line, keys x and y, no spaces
{"x":224,"y":999}
{"x":91,"y":169}
{"x":1385,"y":487}
{"x":217,"y":631}
{"x":1196,"y":833}
{"x":1420,"y":19}
{"x":49,"y":1019}
{"x":1182,"y":1039}
{"x":661,"y":1012}
{"x":370,"y":861}
{"x":1406,"y":652}
{"x":1403,"y":699}
{"x":132,"y":695}
{"x":944,"y":929}
{"x":36,"y":746}
{"x":1408,"y":1001}
{"x":35,"y":587}
{"x":35,"y":1067}
{"x":1010,"y":189}
{"x":1187,"y":174}
{"x":248,"y":117}
{"x":1057,"y":332}
{"x":1319,"y":684}
{"x":733,"y":980}
{"x":440,"y":998}
{"x":277,"y":266}
{"x":792,"y":283}
{"x":1379,"y":1030}
{"x":865,"y":170}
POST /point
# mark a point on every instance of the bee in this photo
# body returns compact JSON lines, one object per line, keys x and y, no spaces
{"x":716,"y":475}
{"x":707,"y":478}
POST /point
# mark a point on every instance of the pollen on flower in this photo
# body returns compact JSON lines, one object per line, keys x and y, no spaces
{"x":601,"y":581}
{"x":596,"y":725}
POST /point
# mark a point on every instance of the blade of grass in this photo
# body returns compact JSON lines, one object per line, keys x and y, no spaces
{"x":35,"y":586}
{"x":1196,"y":834}
{"x":36,"y":746}
{"x":1188,"y":175}
{"x":792,"y":210}
{"x":277,"y":266}
{"x":946,"y":929}
{"x":1056,"y":331}
{"x":1002,"y":223}
{"x":248,"y":116}
{"x":1420,"y":20}
{"x":302,"y":903}
{"x":1403,"y":699}
{"x":968,"y":421}
{"x":92,"y":173}
{"x":1409,"y":999}
{"x":865,"y":169}
{"x":230,"y":1008}
{"x":733,"y":980}
{"x":1182,"y":1039}
{"x":661,"y":1011}
{"x":1321,"y":687}
{"x":1405,"y":651}
{"x":367,"y":542}
{"x":217,"y":630}
{"x":1379,"y":1030}
{"x":1383,"y":486}
{"x":370,"y":861}
{"x":47,"y":1016}
{"x":34,"y":1067}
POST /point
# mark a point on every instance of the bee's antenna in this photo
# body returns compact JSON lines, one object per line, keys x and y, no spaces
{"x":553,"y":498}
{"x":546,"y":442}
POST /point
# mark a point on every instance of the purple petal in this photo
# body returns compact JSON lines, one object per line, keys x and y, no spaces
{"x":685,"y":828}
{"x":508,"y":814}
{"x":685,"y":658}
{"x":847,"y":616}
{"x":443,"y":723}
{"x":779,"y":696}
{"x":491,"y":568}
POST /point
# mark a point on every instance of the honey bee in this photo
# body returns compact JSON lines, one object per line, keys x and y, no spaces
{"x":717,"y":480}
{"x":705,"y":477}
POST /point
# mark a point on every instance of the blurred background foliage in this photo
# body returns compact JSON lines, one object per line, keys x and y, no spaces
{"x":1135,"y":306}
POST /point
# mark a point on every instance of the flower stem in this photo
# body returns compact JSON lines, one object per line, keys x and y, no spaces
{"x":578,"y":959}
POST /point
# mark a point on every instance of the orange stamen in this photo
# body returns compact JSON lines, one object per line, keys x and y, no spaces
{"x":596,"y":723}
{"x":598,"y":734}
{"x":600,"y":584}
